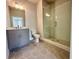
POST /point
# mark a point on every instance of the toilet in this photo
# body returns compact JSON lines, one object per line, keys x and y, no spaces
{"x":37,"y":36}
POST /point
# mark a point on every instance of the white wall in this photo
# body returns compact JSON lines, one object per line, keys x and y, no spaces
{"x":40,"y":18}
{"x":7,"y":16}
{"x":30,"y":15}
{"x":63,"y":18}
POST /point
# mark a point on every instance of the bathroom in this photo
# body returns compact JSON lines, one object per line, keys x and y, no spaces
{"x":49,"y":20}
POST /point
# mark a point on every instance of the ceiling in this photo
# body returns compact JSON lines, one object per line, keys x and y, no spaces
{"x":36,"y":1}
{"x":20,"y":3}
{"x":32,"y":1}
{"x":50,"y":0}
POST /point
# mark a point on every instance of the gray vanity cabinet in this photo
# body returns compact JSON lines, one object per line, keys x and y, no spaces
{"x":18,"y":38}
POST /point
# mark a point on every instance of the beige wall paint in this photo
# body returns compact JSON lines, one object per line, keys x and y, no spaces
{"x":63,"y":19}
{"x":40,"y":18}
{"x":30,"y":15}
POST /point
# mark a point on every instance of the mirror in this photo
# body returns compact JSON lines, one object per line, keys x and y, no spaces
{"x":17,"y":21}
{"x":17,"y":17}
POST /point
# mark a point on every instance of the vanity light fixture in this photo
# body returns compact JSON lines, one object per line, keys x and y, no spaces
{"x":18,"y":7}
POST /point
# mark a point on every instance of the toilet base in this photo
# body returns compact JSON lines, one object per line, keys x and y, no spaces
{"x":37,"y":40}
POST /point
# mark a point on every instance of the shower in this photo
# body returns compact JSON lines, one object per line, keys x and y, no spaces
{"x":57,"y":21}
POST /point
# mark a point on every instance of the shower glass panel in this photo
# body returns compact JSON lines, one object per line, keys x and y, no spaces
{"x":49,"y":20}
{"x":57,"y":21}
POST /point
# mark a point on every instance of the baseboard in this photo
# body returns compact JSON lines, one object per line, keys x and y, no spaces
{"x":66,"y":48}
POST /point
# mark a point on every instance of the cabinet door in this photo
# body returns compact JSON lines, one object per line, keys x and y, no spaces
{"x":23,"y":37}
{"x":12,"y":39}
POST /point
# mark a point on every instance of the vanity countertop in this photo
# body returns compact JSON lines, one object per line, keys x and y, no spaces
{"x":13,"y":28}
